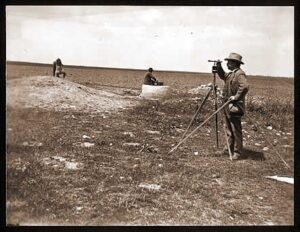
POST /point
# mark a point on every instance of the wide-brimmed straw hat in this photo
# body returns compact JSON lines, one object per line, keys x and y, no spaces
{"x":236,"y":57}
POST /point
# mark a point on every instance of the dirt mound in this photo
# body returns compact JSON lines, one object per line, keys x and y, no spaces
{"x":61,"y":95}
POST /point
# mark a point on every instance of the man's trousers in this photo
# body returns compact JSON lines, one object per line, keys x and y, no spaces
{"x":234,"y":133}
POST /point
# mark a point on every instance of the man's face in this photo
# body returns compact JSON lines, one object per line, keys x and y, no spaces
{"x":231,"y":64}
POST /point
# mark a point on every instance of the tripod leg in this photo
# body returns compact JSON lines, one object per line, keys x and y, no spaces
{"x":198,"y":110}
{"x":227,"y":142}
{"x":216,"y":108}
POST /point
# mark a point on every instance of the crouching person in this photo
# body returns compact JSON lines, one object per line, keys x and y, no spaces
{"x":150,"y":79}
{"x":58,"y":68}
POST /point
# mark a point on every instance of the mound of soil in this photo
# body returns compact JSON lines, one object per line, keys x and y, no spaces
{"x":61,"y":95}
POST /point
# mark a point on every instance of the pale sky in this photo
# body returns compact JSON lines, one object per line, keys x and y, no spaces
{"x":176,"y":38}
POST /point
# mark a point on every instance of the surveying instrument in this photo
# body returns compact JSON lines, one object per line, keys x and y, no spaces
{"x":213,"y":87}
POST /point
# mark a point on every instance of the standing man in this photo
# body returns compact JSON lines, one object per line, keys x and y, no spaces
{"x":235,"y":89}
{"x":58,"y":68}
{"x":149,"y":79}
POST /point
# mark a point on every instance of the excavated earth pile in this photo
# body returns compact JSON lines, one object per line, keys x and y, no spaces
{"x":62,"y":95}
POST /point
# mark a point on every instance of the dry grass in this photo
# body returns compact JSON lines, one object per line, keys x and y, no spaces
{"x":201,"y":189}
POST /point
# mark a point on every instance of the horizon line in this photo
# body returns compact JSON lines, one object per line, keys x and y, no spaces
{"x":137,"y":69}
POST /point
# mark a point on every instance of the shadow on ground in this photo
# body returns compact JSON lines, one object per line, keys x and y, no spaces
{"x":253,"y":155}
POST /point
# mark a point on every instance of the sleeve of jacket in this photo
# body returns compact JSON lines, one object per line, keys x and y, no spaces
{"x":221,"y":72}
{"x":152,"y":77}
{"x":243,"y":86}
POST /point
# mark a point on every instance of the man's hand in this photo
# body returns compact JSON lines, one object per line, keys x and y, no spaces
{"x":232,"y":98}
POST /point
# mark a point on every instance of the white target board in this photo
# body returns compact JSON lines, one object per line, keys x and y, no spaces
{"x":152,"y":91}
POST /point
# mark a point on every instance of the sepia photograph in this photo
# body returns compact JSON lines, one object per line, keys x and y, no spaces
{"x":127,"y":115}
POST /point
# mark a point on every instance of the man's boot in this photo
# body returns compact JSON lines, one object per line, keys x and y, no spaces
{"x":236,"y":156}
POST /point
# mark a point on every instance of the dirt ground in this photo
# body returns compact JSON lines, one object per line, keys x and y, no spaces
{"x":85,"y":154}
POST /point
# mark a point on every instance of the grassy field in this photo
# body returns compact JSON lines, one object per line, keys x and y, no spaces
{"x":128,"y":177}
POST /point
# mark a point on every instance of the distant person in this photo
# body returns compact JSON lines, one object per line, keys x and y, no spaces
{"x":58,"y":68}
{"x":150,"y":79}
{"x":235,"y":89}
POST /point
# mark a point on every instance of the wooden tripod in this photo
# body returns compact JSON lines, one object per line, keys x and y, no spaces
{"x":190,"y":134}
{"x":213,"y":88}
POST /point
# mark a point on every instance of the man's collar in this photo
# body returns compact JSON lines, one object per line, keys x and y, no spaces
{"x":234,"y":70}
